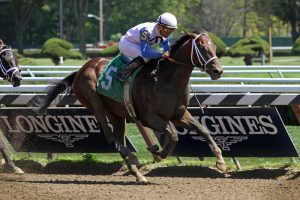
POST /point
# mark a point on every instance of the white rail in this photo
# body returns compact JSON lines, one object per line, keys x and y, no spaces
{"x":192,"y":80}
{"x":209,"y":88}
{"x":225,"y":67}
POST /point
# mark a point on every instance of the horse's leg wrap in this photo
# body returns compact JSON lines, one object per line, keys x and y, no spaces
{"x":12,"y":167}
{"x":126,"y":154}
{"x":131,"y":161}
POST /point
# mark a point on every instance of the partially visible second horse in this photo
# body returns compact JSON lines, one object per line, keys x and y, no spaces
{"x":160,"y":105}
{"x":10,"y":71}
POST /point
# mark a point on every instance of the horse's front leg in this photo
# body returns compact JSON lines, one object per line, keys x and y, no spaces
{"x":156,"y":123}
{"x":190,"y":123}
{"x":8,"y":161}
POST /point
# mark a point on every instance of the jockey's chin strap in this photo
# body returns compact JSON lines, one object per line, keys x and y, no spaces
{"x":195,"y":48}
{"x":8,"y":73}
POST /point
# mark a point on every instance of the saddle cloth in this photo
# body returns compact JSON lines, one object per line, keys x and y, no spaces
{"x":110,"y":86}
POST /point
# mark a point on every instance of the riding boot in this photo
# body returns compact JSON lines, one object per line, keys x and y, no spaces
{"x":123,"y":74}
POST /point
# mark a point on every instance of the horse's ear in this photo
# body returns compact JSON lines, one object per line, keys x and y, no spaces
{"x":192,"y":35}
{"x":1,"y":42}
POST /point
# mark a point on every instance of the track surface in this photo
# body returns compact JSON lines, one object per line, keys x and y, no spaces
{"x":86,"y":182}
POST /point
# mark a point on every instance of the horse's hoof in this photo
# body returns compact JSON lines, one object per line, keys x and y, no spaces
{"x":162,"y":154}
{"x":221,"y":166}
{"x":17,"y":170}
{"x":141,"y":179}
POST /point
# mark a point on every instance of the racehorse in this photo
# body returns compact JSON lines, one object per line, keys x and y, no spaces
{"x":160,"y":103}
{"x":10,"y":71}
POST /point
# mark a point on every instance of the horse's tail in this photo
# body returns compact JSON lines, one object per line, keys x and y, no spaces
{"x":53,"y":91}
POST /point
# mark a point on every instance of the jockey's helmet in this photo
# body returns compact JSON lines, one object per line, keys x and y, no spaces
{"x":168,"y":20}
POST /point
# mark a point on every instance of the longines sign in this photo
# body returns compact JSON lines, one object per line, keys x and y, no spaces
{"x":61,"y":130}
{"x":255,"y":132}
{"x":245,"y":132}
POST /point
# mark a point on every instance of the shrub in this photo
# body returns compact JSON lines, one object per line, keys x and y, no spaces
{"x":115,"y":37}
{"x":110,"y":51}
{"x":27,"y":61}
{"x":36,"y":53}
{"x":296,"y":47}
{"x":221,"y":46}
{"x":18,"y":56}
{"x":249,"y":48}
{"x":55,"y":47}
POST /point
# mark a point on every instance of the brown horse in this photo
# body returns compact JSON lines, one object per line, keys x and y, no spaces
{"x":10,"y":71}
{"x":160,"y":104}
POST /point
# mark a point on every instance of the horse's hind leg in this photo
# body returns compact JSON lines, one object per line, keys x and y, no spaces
{"x":95,"y":104}
{"x":192,"y":124}
{"x":129,"y":158}
{"x":7,"y":159}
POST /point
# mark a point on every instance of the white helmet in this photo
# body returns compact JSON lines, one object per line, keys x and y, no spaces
{"x":168,"y":20}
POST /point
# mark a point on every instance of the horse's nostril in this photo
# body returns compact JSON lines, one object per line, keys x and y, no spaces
{"x":215,"y":71}
{"x":17,"y":78}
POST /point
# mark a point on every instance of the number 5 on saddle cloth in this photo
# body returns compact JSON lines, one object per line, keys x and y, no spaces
{"x":110,"y":86}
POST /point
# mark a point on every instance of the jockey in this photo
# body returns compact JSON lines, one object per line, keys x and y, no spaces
{"x":138,"y":43}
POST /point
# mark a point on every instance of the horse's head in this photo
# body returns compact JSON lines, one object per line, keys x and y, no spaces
{"x":9,"y":69}
{"x":203,"y":55}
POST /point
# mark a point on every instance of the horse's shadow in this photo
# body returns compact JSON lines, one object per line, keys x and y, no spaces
{"x":81,"y":182}
{"x":185,"y":171}
{"x":70,"y":167}
{"x":101,"y":168}
{"x":206,"y":172}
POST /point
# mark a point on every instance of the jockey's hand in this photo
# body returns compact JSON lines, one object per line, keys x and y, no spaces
{"x":166,"y":54}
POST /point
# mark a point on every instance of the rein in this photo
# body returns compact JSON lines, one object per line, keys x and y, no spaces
{"x":198,"y":53}
{"x":8,"y":73}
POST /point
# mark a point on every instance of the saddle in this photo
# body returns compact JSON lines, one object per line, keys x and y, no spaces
{"x":110,"y":86}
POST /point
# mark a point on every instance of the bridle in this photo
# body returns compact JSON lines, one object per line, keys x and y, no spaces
{"x":200,"y":58}
{"x":199,"y":54}
{"x":8,"y":73}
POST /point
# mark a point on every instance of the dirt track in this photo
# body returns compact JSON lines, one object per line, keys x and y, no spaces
{"x":165,"y":183}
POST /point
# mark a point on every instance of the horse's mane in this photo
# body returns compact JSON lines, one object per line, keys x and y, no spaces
{"x":176,"y":46}
{"x":182,"y":40}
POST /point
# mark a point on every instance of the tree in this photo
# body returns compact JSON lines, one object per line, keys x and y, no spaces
{"x":22,"y":10}
{"x":285,"y":10}
{"x":219,"y":16}
{"x":80,"y":8}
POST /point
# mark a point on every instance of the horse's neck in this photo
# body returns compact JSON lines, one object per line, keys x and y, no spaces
{"x":180,"y":73}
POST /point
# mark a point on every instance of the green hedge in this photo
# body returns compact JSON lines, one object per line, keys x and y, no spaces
{"x":249,"y":46}
{"x":55,"y":48}
{"x":27,"y":61}
{"x":111,"y":51}
{"x":296,"y":47}
{"x":36,"y":53}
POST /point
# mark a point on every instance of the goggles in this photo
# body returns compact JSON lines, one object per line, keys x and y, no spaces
{"x":166,"y":29}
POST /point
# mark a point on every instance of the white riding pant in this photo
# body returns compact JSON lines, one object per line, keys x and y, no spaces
{"x":130,"y":49}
